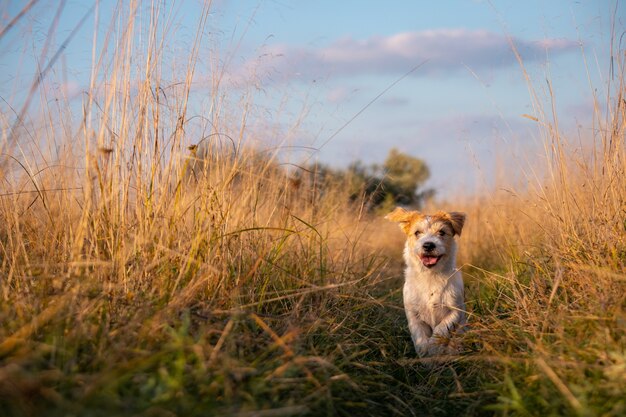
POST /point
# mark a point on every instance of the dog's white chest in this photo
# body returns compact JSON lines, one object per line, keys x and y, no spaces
{"x":426,"y":299}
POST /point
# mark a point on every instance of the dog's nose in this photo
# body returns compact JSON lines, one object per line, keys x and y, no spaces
{"x":428,"y":246}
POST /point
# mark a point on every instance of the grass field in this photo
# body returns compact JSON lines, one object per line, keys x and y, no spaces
{"x":139,"y":279}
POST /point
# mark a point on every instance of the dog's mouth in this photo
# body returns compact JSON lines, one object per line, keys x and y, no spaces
{"x":430,"y":260}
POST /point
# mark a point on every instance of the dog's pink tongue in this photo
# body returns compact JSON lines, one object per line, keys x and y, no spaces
{"x":429,"y":260}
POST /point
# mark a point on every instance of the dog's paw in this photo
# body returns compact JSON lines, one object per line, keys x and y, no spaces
{"x":422,"y":349}
{"x":436,"y":349}
{"x":438,"y":346}
{"x":444,"y":346}
{"x":454,"y":347}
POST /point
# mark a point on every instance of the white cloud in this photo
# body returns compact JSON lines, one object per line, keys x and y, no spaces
{"x":447,"y":50}
{"x":339,"y":94}
{"x":395,"y":101}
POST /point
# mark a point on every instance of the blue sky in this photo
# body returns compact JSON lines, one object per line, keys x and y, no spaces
{"x":314,"y":65}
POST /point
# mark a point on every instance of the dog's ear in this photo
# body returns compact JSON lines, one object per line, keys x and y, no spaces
{"x":402,"y":217}
{"x":457,"y":220}
{"x":399,"y":215}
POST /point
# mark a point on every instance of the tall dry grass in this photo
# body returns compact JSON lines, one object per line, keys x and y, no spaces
{"x":153,"y":265}
{"x":547,"y":271}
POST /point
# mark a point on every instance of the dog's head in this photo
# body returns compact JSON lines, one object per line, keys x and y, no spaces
{"x":430,"y":238}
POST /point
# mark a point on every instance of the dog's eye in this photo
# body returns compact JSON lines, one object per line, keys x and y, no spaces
{"x":442,"y":233}
{"x":418,"y":232}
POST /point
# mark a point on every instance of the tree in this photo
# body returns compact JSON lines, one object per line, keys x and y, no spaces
{"x":398,"y":181}
{"x":404,"y":175}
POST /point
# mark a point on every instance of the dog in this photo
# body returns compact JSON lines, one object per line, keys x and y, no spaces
{"x":433,"y":287}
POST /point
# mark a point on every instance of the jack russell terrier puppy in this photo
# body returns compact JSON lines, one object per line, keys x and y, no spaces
{"x":433,"y":286}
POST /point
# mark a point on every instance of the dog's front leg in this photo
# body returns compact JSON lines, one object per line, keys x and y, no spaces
{"x":440,"y":342}
{"x":420,"y":332}
{"x":453,"y":319}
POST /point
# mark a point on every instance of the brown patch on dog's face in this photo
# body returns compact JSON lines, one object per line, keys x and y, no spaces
{"x":408,"y":219}
{"x":430,"y":238}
